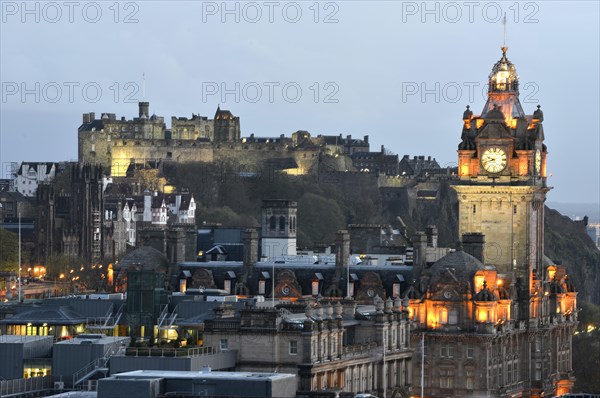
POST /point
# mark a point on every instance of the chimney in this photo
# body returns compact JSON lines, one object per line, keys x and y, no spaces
{"x":432,"y":235}
{"x":147,"y":215}
{"x":419,"y":242}
{"x":366,"y":139}
{"x":342,"y":249}
{"x":144,"y":108}
{"x":250,"y":239}
{"x":382,"y":149}
{"x":348,"y":137}
{"x":92,"y":116}
{"x":474,"y":244}
{"x":86,"y":118}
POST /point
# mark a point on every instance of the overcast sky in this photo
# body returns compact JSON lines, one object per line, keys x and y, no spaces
{"x":401,"y":72}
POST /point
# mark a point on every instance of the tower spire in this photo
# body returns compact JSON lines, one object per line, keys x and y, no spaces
{"x":504,"y":47}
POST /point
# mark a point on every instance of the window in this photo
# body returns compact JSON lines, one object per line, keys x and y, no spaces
{"x":453,"y":317}
{"x":443,"y":316}
{"x":470,"y":378}
{"x":294,"y":347}
{"x":281,"y":224}
{"x":272,"y":223}
{"x":515,"y":209}
{"x":447,"y":350}
{"x":474,"y":209}
{"x":396,"y":290}
{"x":470,"y":351}
{"x":224,"y":344}
{"x":538,"y":371}
{"x":446,"y":378}
{"x":315,"y":288}
{"x":227,"y":285}
{"x":261,"y":287}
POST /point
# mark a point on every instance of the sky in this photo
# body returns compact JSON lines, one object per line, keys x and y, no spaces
{"x":400,"y":72}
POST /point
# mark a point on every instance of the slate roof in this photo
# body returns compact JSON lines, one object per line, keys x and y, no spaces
{"x":461,"y":265}
{"x":35,"y":165}
{"x":52,"y":315}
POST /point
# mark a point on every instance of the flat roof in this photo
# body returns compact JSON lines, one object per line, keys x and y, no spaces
{"x":94,"y":338}
{"x":179,"y":374}
{"x":9,"y":338}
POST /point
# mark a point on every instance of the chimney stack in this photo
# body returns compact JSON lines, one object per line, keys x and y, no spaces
{"x":250,"y":240}
{"x":86,"y":118}
{"x":342,"y":249}
{"x":419,"y":242}
{"x":474,"y":244}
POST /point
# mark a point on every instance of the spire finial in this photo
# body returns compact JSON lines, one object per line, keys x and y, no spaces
{"x":504,"y":47}
{"x":144,"y":86}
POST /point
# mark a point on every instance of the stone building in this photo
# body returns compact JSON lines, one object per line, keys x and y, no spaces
{"x":31,"y":174}
{"x":495,"y":316}
{"x":418,"y":165}
{"x":330,"y":346}
{"x":376,"y":162}
{"x":72,"y":223}
{"x":120,"y":145}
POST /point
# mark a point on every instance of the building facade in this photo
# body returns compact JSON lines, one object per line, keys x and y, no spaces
{"x":121,"y":145}
{"x":330,"y":346}
{"x":496,"y":316}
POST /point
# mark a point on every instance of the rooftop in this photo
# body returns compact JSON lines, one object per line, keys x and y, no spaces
{"x":177,"y":374}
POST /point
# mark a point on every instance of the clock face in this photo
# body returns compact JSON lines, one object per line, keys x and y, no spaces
{"x":538,"y":161}
{"x":493,"y":160}
{"x":285,"y":291}
{"x":447,"y":294}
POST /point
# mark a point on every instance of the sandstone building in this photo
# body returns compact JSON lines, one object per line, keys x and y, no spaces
{"x":120,"y":144}
{"x":495,"y":317}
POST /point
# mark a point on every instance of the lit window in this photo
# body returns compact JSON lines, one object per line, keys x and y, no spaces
{"x":315,"y":288}
{"x":443,"y":316}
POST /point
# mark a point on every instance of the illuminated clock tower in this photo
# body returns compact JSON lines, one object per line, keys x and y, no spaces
{"x":502,"y":187}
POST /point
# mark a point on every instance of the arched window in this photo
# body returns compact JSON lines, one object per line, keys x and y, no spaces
{"x":272,"y":223}
{"x":281,"y":223}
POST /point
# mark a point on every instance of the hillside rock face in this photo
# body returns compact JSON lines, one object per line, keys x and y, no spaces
{"x":567,"y":241}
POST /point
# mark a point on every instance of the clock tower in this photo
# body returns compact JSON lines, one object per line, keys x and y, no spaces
{"x":502,"y":187}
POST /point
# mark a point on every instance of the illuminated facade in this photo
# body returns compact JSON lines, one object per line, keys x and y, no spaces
{"x":496,"y":316}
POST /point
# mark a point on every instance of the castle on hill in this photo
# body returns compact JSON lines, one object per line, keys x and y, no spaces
{"x":121,"y":145}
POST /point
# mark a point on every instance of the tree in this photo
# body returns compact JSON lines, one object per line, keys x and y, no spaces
{"x":62,"y":264}
{"x":9,"y":251}
{"x":319,"y":218}
{"x":150,"y":179}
